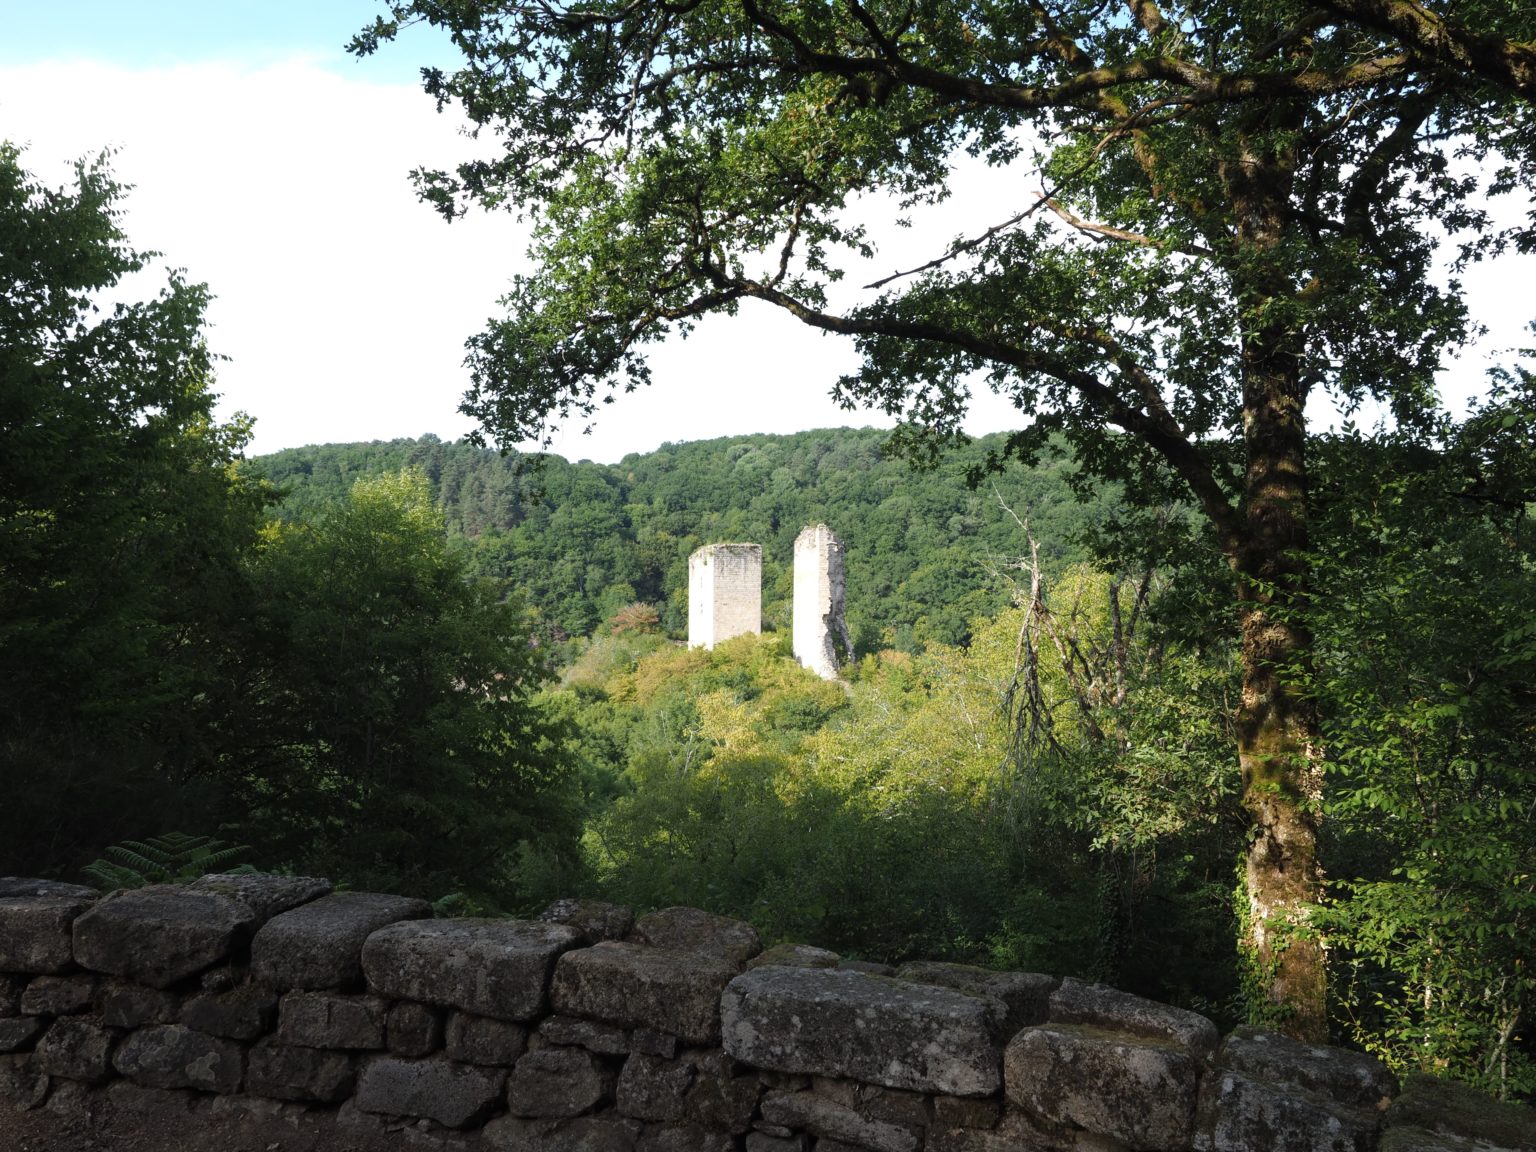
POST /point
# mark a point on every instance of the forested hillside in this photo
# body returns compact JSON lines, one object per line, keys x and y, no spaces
{"x":582,"y":540}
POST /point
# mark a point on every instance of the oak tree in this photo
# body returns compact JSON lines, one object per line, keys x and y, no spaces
{"x":1218,"y":212}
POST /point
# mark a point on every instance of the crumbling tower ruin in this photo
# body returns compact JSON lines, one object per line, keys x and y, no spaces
{"x":818,"y":607}
{"x":725,"y":593}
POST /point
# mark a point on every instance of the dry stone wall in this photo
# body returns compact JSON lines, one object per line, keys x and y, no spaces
{"x":674,"y":1032}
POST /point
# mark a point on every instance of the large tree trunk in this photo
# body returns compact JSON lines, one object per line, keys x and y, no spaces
{"x":1278,"y":745}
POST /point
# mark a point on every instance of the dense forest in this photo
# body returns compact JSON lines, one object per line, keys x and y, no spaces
{"x":581,"y":541}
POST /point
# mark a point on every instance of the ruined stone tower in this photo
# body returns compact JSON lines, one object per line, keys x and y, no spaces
{"x":725,"y":593}
{"x":818,"y":610}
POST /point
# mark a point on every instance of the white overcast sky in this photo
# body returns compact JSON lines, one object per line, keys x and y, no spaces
{"x":273,"y":166}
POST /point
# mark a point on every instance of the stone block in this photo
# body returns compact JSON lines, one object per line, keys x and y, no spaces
{"x":331,"y":1020}
{"x":161,"y":934}
{"x":954,"y":1112}
{"x":763,"y":1142}
{"x":557,"y":1083}
{"x":583,"y":1134}
{"x":175,"y":1056}
{"x":1236,"y":1113}
{"x":265,"y":895}
{"x":595,"y":920}
{"x":694,"y":930}
{"x":414,"y":1030}
{"x":242,"y":1013}
{"x":639,"y":987}
{"x":320,"y":944}
{"x":454,"y":1095}
{"x":846,"y":1024}
{"x":1136,"y":1089}
{"x":683,"y":1138}
{"x":1342,"y":1075}
{"x":11,"y":988}
{"x":20,"y":1033}
{"x":794,"y":956}
{"x":285,"y":1072}
{"x":1450,"y":1111}
{"x":604,"y":1039}
{"x":76,"y":1048}
{"x":25,"y":888}
{"x":21,"y":1084}
{"x":59,"y":995}
{"x":125,"y":1004}
{"x":653,"y":1043}
{"x":1025,"y":995}
{"x":829,"y":1120}
{"x":483,"y":1040}
{"x":36,"y":932}
{"x":895,"y":1106}
{"x":653,"y":1089}
{"x":720,"y":1099}
{"x":1077,"y":1002}
{"x":494,"y":968}
{"x":868,"y":967}
{"x":1291,"y":1096}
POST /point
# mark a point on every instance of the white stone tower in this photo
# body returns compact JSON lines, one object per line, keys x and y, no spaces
{"x":818,"y":608}
{"x":725,"y":593}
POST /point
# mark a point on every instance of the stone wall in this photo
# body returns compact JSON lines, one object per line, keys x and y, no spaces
{"x":818,"y":600}
{"x":590,"y":1029}
{"x":725,"y":593}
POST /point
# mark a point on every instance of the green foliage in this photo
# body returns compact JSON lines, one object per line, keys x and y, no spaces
{"x":403,"y":747}
{"x":581,"y":541}
{"x":122,"y":526}
{"x":173,"y":858}
{"x":1431,"y":722}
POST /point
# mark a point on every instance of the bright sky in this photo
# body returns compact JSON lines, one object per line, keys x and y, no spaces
{"x":272,"y":165}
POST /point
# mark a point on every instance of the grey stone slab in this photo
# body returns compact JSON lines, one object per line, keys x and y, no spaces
{"x":454,"y":1095}
{"x":723,"y":1096}
{"x":285,"y":1072}
{"x":1136,"y":1089}
{"x":634,"y":986}
{"x":1026,"y":995}
{"x":1457,"y":1111}
{"x":332,"y":1020}
{"x":605,"y":1039}
{"x":11,"y":988}
{"x":20,"y":1033}
{"x":29,"y":889}
{"x":1236,"y":1113}
{"x":497,"y":968}
{"x":241,"y":1013}
{"x":594,"y":919}
{"x":829,"y":1120}
{"x":846,"y":1024}
{"x":175,"y":1056}
{"x":36,"y":932}
{"x":413,"y":1029}
{"x":651,"y":1088}
{"x":125,"y":1004}
{"x":484,"y":1040}
{"x":795,"y":956}
{"x":694,"y":930}
{"x":557,"y":1083}
{"x":59,"y":995}
{"x":76,"y":1048}
{"x":583,"y":1134}
{"x":683,"y":1137}
{"x":1078,"y":1002}
{"x":265,"y":895}
{"x":320,"y":944}
{"x":161,"y":934}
